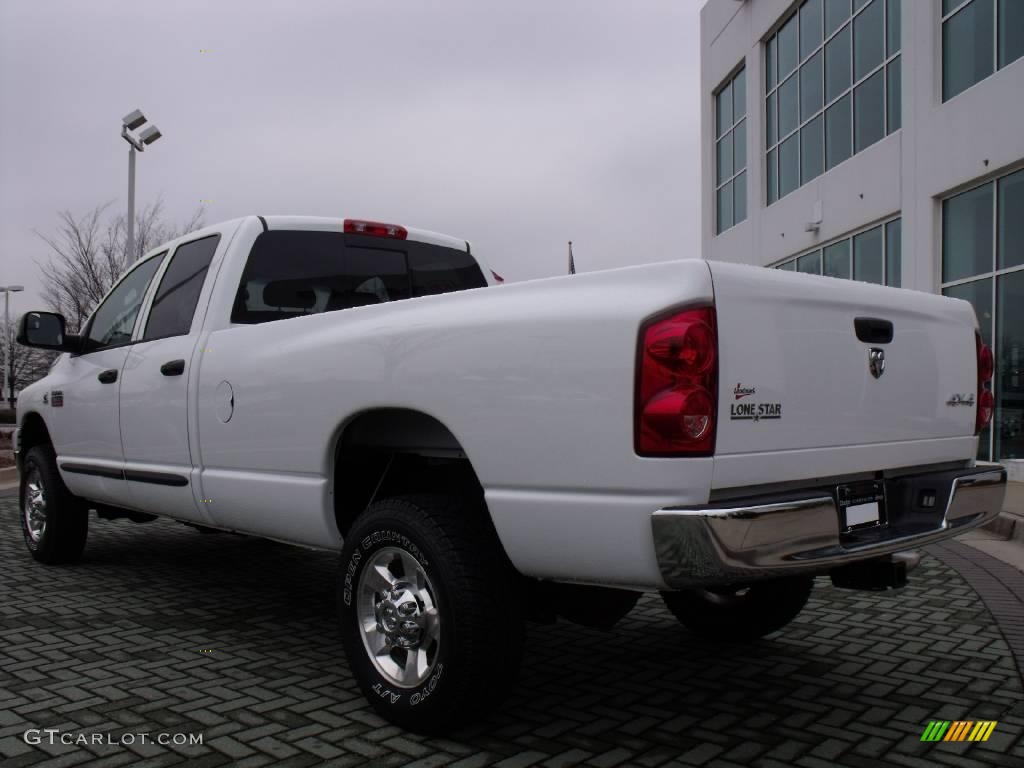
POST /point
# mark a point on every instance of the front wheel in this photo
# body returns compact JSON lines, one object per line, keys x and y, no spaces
{"x":740,"y":612}
{"x":431,"y":617}
{"x":54,"y":522}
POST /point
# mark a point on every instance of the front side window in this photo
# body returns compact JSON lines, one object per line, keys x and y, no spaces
{"x":978,"y":38}
{"x":293,"y":273}
{"x":832,"y":87}
{"x":983,"y":263}
{"x":176,"y":298}
{"x":731,"y":152}
{"x":112,"y":323}
{"x":871,"y":256}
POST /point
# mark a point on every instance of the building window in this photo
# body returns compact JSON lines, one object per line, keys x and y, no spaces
{"x":983,"y":263}
{"x":978,"y":37}
{"x":832,"y":87}
{"x":871,"y":255}
{"x":731,"y":152}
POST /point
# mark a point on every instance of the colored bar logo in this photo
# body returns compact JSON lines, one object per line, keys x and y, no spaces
{"x":959,"y":730}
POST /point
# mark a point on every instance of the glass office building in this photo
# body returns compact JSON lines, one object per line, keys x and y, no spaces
{"x":876,"y":140}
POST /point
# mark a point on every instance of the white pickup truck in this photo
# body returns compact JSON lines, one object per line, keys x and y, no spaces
{"x":483,"y":454}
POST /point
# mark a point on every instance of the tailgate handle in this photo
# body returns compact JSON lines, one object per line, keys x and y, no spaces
{"x":873,"y":330}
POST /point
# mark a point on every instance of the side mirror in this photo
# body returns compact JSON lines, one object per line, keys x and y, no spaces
{"x":45,"y":330}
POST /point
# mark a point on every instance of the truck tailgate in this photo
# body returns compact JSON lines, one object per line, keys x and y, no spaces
{"x":795,"y":377}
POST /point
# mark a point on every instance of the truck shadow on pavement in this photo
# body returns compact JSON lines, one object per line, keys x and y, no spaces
{"x":162,"y":627}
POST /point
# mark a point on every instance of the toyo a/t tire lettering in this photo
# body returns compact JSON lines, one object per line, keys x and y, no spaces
{"x":431,"y":615}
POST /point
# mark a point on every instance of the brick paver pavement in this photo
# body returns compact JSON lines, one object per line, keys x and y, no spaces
{"x":115,"y":645}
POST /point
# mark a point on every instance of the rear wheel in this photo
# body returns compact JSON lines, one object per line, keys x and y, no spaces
{"x":431,"y":617}
{"x":740,"y":612}
{"x":54,"y":522}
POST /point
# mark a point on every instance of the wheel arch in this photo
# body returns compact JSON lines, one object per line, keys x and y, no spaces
{"x":32,"y":432}
{"x":387,"y":451}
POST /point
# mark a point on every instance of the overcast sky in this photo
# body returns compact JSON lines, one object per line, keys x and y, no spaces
{"x":516,"y":125}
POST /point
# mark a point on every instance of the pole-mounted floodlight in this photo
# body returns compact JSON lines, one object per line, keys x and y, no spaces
{"x":131,"y":122}
{"x":150,"y":135}
{"x":134,"y":120}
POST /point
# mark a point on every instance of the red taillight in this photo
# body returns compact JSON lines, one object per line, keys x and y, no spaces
{"x":986,"y":401}
{"x":497,"y":278}
{"x":986,"y":363}
{"x":986,"y":406}
{"x":677,"y":384}
{"x":683,"y":343}
{"x":375,"y":229}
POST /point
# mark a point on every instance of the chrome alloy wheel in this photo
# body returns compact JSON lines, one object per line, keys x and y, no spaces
{"x":34,"y":506}
{"x":398,"y":616}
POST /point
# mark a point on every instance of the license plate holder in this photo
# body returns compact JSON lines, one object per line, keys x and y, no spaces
{"x":861,"y":505}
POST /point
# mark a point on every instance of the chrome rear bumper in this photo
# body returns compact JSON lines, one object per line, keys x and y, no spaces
{"x":765,"y":537}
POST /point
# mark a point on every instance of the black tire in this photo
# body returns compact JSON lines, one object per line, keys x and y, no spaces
{"x":743,"y":612}
{"x":62,"y":538}
{"x":475,"y":657}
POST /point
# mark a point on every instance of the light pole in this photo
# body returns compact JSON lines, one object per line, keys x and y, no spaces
{"x":129,"y":123}
{"x":7,"y":290}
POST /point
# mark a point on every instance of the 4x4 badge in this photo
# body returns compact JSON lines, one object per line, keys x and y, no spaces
{"x":959,"y":399}
{"x":876,"y":362}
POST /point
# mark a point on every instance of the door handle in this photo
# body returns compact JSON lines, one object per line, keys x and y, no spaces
{"x":173,"y":368}
{"x":108,"y":377}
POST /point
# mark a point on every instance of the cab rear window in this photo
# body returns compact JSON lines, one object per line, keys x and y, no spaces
{"x":292,"y":273}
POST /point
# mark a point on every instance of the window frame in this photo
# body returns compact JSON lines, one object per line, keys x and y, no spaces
{"x":992,"y":275}
{"x":943,"y":19}
{"x":771,"y":151}
{"x":882,"y":224}
{"x":730,"y":132}
{"x":143,"y":304}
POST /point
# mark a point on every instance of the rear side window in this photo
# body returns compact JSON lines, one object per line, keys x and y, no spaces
{"x":176,"y":298}
{"x":292,"y":273}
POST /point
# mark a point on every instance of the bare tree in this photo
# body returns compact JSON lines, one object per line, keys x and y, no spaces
{"x":90,"y":252}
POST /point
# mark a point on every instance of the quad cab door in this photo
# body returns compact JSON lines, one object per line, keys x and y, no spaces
{"x":155,"y":385}
{"x":83,"y":416}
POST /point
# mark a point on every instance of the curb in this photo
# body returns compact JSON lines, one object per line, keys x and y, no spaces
{"x":1008,"y":526}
